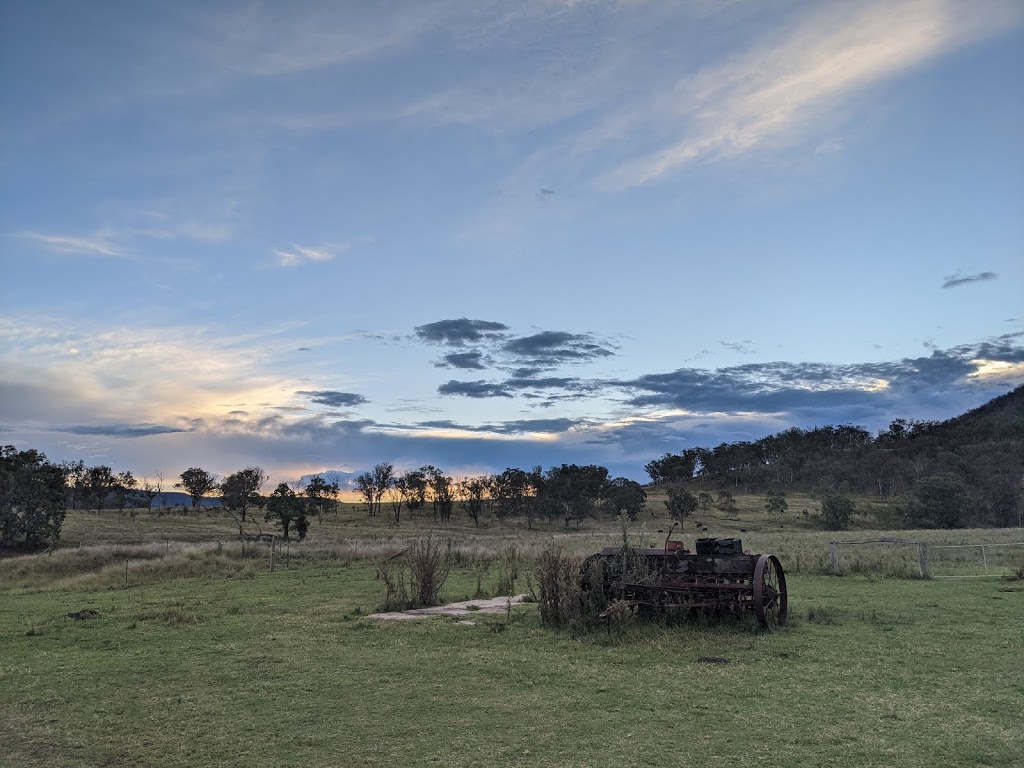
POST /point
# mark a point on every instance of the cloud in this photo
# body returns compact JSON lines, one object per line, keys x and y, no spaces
{"x":462,"y":360}
{"x":551,"y":348}
{"x":474,"y":389}
{"x":460,"y":331}
{"x":517,"y":427}
{"x":96,"y":245}
{"x":952,"y":281}
{"x":121,"y":430}
{"x":744,"y":347}
{"x":796,"y":83}
{"x":333,"y":398}
{"x":302,"y":255}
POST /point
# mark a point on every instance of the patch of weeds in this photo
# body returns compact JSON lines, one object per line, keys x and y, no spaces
{"x":472,"y":607}
{"x":821,"y":616}
{"x":35,"y":632}
{"x":174,"y":616}
{"x":234,"y":610}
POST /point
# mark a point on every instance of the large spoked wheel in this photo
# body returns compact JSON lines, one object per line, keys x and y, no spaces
{"x":770,"y":600}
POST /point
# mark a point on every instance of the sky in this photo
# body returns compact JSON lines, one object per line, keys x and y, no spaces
{"x":318,"y":236}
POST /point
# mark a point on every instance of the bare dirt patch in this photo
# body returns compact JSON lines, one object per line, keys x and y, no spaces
{"x":465,"y":608}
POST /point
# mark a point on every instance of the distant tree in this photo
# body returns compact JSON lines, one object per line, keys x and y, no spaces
{"x":775,"y":503}
{"x":442,"y":492}
{"x":287,"y":508}
{"x":578,"y":491}
{"x":33,"y":498}
{"x":124,"y":490}
{"x":197,"y":484}
{"x":726,"y":503}
{"x":940,"y":501}
{"x":681,"y":504}
{"x":150,"y":489}
{"x":77,"y":484}
{"x":836,"y":512}
{"x":100,"y":482}
{"x":705,"y":500}
{"x":383,"y":479}
{"x":367,"y":491}
{"x":626,"y":497}
{"x":240,"y":491}
{"x":473,"y":492}
{"x":322,"y":496}
{"x":510,"y":490}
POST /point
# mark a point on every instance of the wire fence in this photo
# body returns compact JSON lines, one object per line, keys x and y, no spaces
{"x":974,"y":561}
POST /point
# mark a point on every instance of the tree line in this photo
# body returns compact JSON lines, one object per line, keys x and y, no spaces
{"x":568,"y":492}
{"x":965,"y":471}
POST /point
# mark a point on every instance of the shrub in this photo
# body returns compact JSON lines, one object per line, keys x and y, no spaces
{"x":836,"y":512}
{"x":558,"y":584}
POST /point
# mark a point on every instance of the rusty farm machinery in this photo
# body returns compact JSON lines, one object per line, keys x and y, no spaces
{"x":718,"y":579}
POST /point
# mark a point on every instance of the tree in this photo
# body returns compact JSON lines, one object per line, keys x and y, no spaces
{"x":197,"y":483}
{"x":473,"y":491}
{"x":383,"y":479}
{"x":124,"y":487}
{"x":241,"y":491}
{"x":33,"y":498}
{"x":150,"y":489}
{"x":287,"y":508}
{"x":704,"y":499}
{"x":322,"y":495}
{"x":681,"y":504}
{"x":836,"y":512}
{"x":940,"y":501}
{"x":775,"y":503}
{"x":100,"y":482}
{"x":366,"y":490}
{"x":626,"y":496}
{"x":578,"y":491}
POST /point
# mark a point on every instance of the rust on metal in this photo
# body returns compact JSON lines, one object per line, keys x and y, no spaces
{"x":672,"y":580}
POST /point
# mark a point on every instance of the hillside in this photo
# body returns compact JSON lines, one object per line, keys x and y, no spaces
{"x":965,"y":470}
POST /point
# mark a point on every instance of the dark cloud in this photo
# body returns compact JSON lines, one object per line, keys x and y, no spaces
{"x":516,"y":427}
{"x":475,"y":389}
{"x":304,"y":349}
{"x":551,"y":348}
{"x":858,"y":390}
{"x":120,"y":430}
{"x":462,"y":360}
{"x":952,"y":281}
{"x":333,"y":398}
{"x":460,"y":331}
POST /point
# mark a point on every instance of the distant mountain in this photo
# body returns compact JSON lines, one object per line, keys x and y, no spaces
{"x":176,"y":499}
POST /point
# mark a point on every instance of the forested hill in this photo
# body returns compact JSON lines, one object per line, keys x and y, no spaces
{"x":976,"y":460}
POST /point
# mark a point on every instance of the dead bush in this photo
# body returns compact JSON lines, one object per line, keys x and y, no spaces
{"x":558,"y":584}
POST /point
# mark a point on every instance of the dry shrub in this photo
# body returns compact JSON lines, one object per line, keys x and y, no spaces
{"x":414,"y":577}
{"x":429,"y":565}
{"x":558,"y":584}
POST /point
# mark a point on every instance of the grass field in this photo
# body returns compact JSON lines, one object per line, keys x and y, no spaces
{"x":207,"y":658}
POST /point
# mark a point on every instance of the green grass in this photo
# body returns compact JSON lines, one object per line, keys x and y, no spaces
{"x":284,"y":669}
{"x":207,"y":658}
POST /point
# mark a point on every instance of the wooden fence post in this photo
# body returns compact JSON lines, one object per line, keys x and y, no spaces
{"x":833,"y":556}
{"x":922,"y":559}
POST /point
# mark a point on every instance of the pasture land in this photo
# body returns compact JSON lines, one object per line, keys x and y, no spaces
{"x":207,"y":658}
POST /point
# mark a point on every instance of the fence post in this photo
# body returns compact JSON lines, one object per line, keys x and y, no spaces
{"x":922,"y":559}
{"x":833,"y":556}
{"x":272,"y":554}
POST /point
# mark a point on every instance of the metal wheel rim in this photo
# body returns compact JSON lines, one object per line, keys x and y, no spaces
{"x":770,"y":599}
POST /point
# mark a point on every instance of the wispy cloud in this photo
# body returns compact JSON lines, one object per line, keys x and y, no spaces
{"x":952,"y":281}
{"x":298,"y":254}
{"x":97,"y":244}
{"x":788,"y":87}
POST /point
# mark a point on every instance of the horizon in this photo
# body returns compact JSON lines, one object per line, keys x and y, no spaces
{"x":479,"y":236}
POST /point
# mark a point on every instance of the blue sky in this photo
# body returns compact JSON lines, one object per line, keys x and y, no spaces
{"x":484,"y":234}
